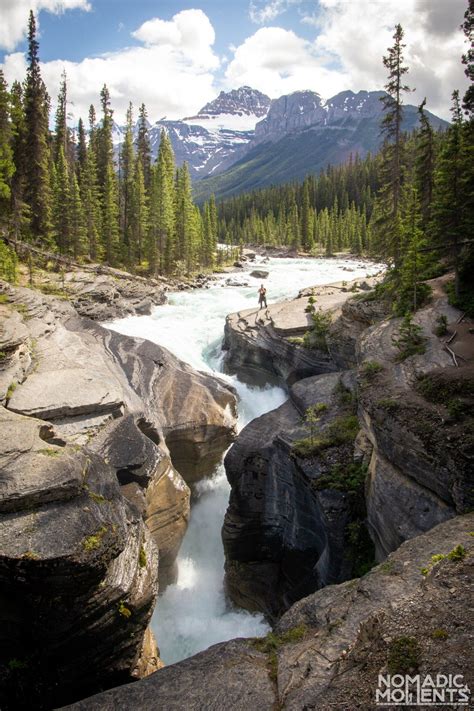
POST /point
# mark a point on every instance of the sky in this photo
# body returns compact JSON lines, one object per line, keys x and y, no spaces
{"x":177,"y":56}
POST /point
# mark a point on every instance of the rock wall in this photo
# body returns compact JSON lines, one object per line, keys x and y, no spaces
{"x":283,"y":536}
{"x":329,"y":648}
{"x":88,"y":415}
{"x":280,"y":525}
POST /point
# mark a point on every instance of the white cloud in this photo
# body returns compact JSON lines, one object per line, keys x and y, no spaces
{"x":351,"y":38}
{"x":14,"y":16}
{"x":261,"y":13}
{"x":277,"y":61}
{"x":173,"y":74}
{"x":357,"y":35}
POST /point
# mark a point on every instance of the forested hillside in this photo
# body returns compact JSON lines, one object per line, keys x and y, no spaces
{"x":62,"y":191}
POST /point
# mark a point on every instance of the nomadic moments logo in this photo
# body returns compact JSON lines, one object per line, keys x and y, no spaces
{"x":422,"y":690}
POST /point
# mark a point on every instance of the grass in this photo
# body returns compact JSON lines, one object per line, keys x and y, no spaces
{"x":50,"y":452}
{"x":92,"y":542}
{"x":371,"y":368}
{"x":4,"y":299}
{"x":457,"y":554}
{"x":342,"y":430}
{"x":272,"y":643}
{"x":404,"y":655}
{"x":296,"y":340}
{"x":439,"y":634}
{"x":11,"y":390}
{"x":389,"y":404}
{"x":124,"y":610}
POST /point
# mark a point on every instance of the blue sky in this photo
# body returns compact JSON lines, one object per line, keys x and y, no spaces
{"x":176,"y":56}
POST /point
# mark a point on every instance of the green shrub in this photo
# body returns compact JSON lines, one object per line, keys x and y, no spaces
{"x":342,"y":430}
{"x":410,"y":340}
{"x":272,"y":643}
{"x":441,"y":327}
{"x":348,"y":478}
{"x":371,"y":368}
{"x":124,"y":610}
{"x":8,"y":263}
{"x":404,"y":655}
{"x":315,"y":337}
{"x":142,"y":557}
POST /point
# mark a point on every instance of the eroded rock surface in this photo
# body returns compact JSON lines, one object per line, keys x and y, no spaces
{"x":90,"y":420}
{"x":285,"y":536}
{"x":331,"y":646}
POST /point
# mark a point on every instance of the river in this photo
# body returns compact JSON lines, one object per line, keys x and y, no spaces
{"x":194,"y":613}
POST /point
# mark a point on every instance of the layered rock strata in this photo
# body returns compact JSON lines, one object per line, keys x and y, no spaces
{"x":328,"y":650}
{"x":417,"y":449}
{"x":87,"y":416}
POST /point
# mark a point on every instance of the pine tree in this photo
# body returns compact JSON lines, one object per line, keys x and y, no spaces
{"x":139,"y":214}
{"x":62,"y":137}
{"x":81,"y":149}
{"x":449,"y":203}
{"x":425,"y":161}
{"x":61,"y":198}
{"x":186,"y":233}
{"x":19,"y":210}
{"x":77,"y":220}
{"x":107,"y":181}
{"x":37,"y":179}
{"x":90,"y":197}
{"x":7,"y":166}
{"x":161,"y":242}
{"x":110,"y":225}
{"x":468,"y":59}
{"x":127,"y":172}
{"x":306,"y":219}
{"x":143,"y":146}
{"x":393,"y":148}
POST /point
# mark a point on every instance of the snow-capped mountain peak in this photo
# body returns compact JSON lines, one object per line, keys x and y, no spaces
{"x":236,"y":110}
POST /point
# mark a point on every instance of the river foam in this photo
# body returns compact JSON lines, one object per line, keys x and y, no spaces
{"x":194,"y":613}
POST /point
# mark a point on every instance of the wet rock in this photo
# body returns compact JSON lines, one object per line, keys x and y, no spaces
{"x":259,"y":274}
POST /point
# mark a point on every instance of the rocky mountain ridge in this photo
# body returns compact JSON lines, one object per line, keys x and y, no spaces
{"x":239,"y":122}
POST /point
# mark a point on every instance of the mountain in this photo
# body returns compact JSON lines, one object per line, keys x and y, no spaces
{"x":301,"y":134}
{"x":242,"y":140}
{"x":216,"y":137}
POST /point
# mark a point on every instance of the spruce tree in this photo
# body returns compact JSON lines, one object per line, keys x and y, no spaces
{"x":127,"y":172}
{"x":61,"y":198}
{"x":450,"y":200}
{"x":468,"y":59}
{"x":143,"y":146}
{"x":107,"y":181}
{"x":7,"y":166}
{"x":139,"y":214}
{"x":19,"y":210}
{"x":37,"y":179}
{"x":90,"y":197}
{"x":392,"y":170}
{"x":425,"y":162}
{"x":62,"y":137}
{"x":161,"y":242}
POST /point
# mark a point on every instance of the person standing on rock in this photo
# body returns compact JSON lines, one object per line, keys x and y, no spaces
{"x":262,"y":297}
